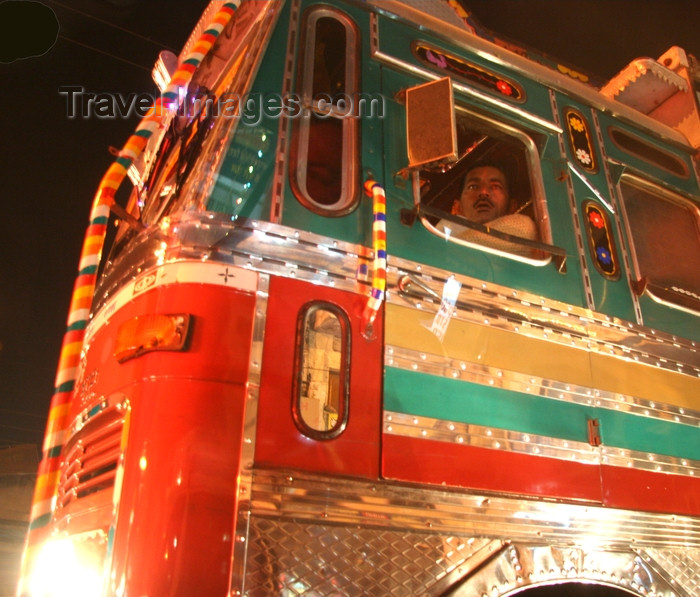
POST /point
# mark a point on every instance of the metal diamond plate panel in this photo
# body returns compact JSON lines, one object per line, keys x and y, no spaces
{"x":680,"y":565}
{"x":312,"y":560}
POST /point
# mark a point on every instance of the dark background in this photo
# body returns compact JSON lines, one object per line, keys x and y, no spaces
{"x":51,"y":165}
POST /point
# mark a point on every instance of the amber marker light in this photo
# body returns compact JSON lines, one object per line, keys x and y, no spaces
{"x":148,"y":333}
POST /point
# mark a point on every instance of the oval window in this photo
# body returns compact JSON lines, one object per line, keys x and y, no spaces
{"x":324,"y":157}
{"x":322,"y":366}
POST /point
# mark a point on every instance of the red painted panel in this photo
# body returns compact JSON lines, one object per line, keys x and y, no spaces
{"x":278,"y":442}
{"x":217,"y":349}
{"x":442,"y":463}
{"x":636,"y":489}
{"x":177,"y":507}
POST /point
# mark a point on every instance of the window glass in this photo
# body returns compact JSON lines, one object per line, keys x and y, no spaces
{"x":321,"y":393}
{"x":490,"y":195}
{"x":324,"y":164}
{"x":329,"y":62}
{"x":665,"y":230}
{"x":653,"y":155}
{"x":177,"y":154}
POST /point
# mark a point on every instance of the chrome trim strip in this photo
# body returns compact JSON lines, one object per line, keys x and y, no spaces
{"x":478,"y":436}
{"x":533,"y":445}
{"x":295,"y":495}
{"x":245,"y":475}
{"x":280,"y":173}
{"x":218,"y":243}
{"x":279,"y":250}
{"x":433,"y":364}
{"x":504,"y":308}
{"x":248,"y":244}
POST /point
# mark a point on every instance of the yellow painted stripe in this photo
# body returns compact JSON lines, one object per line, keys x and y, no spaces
{"x":491,"y":347}
{"x":58,"y":412}
{"x":45,"y":485}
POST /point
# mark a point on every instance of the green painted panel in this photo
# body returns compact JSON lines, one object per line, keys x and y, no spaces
{"x":426,"y":395}
{"x":646,"y":434}
{"x":453,"y":400}
{"x":675,"y":321}
{"x":396,"y":40}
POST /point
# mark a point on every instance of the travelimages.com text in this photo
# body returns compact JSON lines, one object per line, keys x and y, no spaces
{"x":250,"y":108}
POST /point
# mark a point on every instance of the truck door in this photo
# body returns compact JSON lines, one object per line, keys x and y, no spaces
{"x":320,"y":390}
{"x":478,"y":340}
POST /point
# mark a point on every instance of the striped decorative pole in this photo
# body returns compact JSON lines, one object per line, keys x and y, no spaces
{"x":376,"y":297}
{"x":79,"y":311}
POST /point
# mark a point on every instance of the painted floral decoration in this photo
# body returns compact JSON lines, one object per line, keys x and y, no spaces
{"x":576,"y":124}
{"x":583,"y":156}
{"x":603,"y":255}
{"x":596,"y":219}
{"x":504,"y":88}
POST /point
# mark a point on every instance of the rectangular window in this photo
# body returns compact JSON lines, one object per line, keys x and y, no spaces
{"x":490,"y":198}
{"x":665,"y":231}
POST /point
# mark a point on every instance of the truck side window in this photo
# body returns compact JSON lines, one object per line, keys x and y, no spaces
{"x":324,"y":165}
{"x":665,"y":232}
{"x":322,"y":365}
{"x":492,"y":184}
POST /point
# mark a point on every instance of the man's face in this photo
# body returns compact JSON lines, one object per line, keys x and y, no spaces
{"x":484,"y":194}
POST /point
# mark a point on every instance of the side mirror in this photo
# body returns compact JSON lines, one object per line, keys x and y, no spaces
{"x":431,"y":131}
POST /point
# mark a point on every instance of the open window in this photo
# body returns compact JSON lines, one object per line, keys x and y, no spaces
{"x":665,"y":234}
{"x":324,"y":163}
{"x":491,"y":197}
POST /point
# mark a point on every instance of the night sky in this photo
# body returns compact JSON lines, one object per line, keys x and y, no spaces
{"x":52,"y":164}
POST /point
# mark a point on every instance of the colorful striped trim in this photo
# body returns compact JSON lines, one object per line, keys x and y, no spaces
{"x":376,"y":297}
{"x":90,"y":256}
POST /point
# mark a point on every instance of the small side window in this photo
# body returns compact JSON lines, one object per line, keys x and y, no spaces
{"x":665,"y":231}
{"x":324,"y":164}
{"x":322,"y":366}
{"x":490,"y":195}
{"x":649,"y":153}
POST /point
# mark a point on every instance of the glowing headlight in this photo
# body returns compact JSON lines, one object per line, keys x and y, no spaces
{"x":69,"y":567}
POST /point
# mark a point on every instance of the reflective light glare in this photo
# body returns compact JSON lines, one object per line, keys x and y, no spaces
{"x":62,"y":569}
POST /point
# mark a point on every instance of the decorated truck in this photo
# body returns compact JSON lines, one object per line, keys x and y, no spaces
{"x":304,"y":369}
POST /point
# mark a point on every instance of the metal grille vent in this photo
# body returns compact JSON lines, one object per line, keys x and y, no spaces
{"x":91,"y":455}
